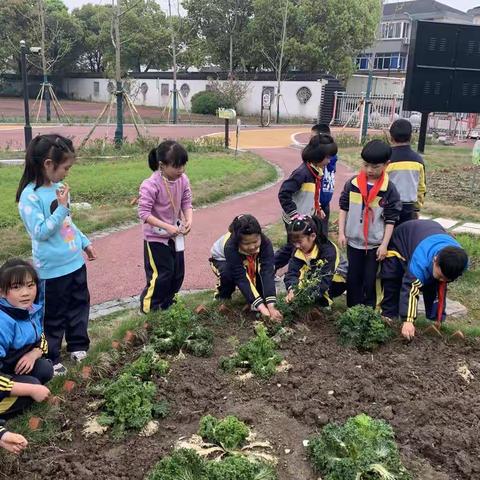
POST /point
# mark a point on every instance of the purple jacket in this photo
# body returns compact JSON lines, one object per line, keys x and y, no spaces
{"x":155,"y":200}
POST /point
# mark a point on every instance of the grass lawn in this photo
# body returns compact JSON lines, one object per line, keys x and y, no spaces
{"x":110,"y":186}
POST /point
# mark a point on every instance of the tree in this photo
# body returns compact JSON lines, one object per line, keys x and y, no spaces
{"x":331,"y":33}
{"x":223,"y":24}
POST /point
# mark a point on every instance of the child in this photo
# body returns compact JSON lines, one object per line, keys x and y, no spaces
{"x":23,"y":370}
{"x":369,"y":207}
{"x":422,"y":256}
{"x":328,"y":183}
{"x":300,"y":193}
{"x":243,"y":258}
{"x":164,"y":198}
{"x":314,"y":251}
{"x":57,"y":245}
{"x":406,"y":170}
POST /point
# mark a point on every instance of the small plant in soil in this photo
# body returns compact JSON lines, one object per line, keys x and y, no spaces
{"x":147,"y":365}
{"x":363,"y":328}
{"x":129,"y":404}
{"x":177,"y":329}
{"x":228,"y":433}
{"x":258,"y":355}
{"x":361,"y":449}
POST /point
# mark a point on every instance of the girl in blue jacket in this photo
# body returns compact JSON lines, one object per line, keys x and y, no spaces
{"x":23,"y":371}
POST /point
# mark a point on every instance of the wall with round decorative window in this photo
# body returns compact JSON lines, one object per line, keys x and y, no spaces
{"x":304,"y":94}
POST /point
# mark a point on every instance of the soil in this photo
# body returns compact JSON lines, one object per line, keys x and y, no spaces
{"x":414,"y":386}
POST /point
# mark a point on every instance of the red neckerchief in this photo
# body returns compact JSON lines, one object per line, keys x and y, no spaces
{"x":442,"y":288}
{"x":318,"y":187}
{"x":367,"y":198}
{"x":251,"y":268}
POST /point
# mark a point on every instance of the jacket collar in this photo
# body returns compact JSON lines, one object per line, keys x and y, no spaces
{"x":383,"y":188}
{"x":18,"y":313}
{"x":313,"y":255}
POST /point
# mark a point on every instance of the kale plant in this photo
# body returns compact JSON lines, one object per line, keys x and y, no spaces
{"x":147,"y":365}
{"x":183,"y":464}
{"x":229,"y":433}
{"x":239,"y":468}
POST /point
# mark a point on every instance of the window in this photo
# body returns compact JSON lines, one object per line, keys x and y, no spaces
{"x":164,"y":90}
{"x":96,"y":89}
{"x":363,"y":61}
{"x":390,"y":61}
{"x":394,"y":30}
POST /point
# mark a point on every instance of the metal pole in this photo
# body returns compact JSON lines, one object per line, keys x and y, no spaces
{"x":366,"y":106}
{"x":41,"y":11}
{"x":118,"y":77}
{"x":27,"y":128}
{"x":279,"y":73}
{"x":227,"y":133}
{"x":423,"y":132}
{"x":174,"y":58}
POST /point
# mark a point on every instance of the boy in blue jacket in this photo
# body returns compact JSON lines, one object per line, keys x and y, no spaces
{"x":421,"y":256}
{"x":23,"y":371}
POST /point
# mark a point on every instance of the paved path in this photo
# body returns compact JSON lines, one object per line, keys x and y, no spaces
{"x":118,"y":272}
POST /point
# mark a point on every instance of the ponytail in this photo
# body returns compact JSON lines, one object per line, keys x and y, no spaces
{"x":42,"y":147}
{"x":168,"y":152}
{"x":244,"y":224}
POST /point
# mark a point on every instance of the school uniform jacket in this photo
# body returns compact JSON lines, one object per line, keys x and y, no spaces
{"x":385,"y":209}
{"x":297,"y":193}
{"x":20,"y":331}
{"x":416,"y":243}
{"x":225,"y":250}
{"x":407,"y":172}
{"x":325,"y":257}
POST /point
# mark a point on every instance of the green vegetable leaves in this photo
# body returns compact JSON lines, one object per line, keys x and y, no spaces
{"x":228,"y":433}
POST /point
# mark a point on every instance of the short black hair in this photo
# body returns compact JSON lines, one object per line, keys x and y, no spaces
{"x":452,"y":261}
{"x":244,"y":224}
{"x":168,"y":152}
{"x":16,"y":271}
{"x":401,"y":131}
{"x":319,"y":147}
{"x":306,"y":226}
{"x":321,"y":128}
{"x":376,"y":152}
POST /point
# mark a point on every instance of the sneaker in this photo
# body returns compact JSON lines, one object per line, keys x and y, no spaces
{"x":78,"y":356}
{"x":59,"y":369}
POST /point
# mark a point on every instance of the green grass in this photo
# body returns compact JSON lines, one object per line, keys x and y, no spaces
{"x":110,"y":185}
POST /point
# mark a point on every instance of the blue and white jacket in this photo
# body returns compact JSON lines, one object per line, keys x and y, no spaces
{"x":328,"y":182}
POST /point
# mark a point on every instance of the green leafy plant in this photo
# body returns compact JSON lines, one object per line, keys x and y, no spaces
{"x":147,"y":365}
{"x":178,"y":328}
{"x":257,"y":355}
{"x":363,"y":328}
{"x":361,"y":449}
{"x":229,"y":433}
{"x":129,"y":404}
{"x":182,"y":464}
{"x":239,"y":468}
{"x":208,"y":101}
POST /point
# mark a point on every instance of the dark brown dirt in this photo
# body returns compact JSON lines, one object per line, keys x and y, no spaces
{"x":416,"y":387}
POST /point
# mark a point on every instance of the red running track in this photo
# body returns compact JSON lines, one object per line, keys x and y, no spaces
{"x":118,"y":271}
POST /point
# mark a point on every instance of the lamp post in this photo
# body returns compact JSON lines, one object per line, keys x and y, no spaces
{"x":27,"y":128}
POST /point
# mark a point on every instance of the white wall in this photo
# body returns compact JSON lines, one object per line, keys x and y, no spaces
{"x":380,"y":85}
{"x":290,"y":106}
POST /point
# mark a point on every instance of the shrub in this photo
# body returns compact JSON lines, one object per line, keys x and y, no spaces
{"x":363,"y":328}
{"x":182,"y":464}
{"x":360,"y":449}
{"x":229,"y":433}
{"x":239,"y":468}
{"x":147,"y":365}
{"x":208,"y":101}
{"x":257,"y":355}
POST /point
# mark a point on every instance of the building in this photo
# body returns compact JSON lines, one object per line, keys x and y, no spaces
{"x":388,"y":55}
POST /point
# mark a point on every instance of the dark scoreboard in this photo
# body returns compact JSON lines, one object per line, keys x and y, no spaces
{"x":443,"y":72}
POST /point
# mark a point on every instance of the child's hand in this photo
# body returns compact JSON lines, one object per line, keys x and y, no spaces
{"x":264,"y":310}
{"x":91,"y":253}
{"x":187,"y":226}
{"x":26,"y":363}
{"x":342,"y":240}
{"x":381,"y":252}
{"x":13,"y":442}
{"x":172,"y":230}
{"x":40,"y":393}
{"x":321,"y":214}
{"x":275,"y":314}
{"x":408,"y":330}
{"x":62,"y":195}
{"x":290,"y":296}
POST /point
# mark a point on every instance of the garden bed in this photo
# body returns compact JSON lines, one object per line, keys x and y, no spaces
{"x":416,"y":387}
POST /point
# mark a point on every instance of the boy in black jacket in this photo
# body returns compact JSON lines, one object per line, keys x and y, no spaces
{"x":369,"y":207}
{"x":299,"y":195}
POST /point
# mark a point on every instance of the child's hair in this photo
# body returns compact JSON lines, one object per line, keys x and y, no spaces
{"x":376,"y":152}
{"x":320,"y":128}
{"x":452,"y":262}
{"x":16,"y":272}
{"x":168,"y":152}
{"x":41,"y":148}
{"x":306,"y":226}
{"x":319,"y":147}
{"x":401,"y":131}
{"x":244,"y":224}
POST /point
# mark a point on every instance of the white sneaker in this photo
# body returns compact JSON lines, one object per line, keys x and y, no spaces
{"x":59,"y":369}
{"x":78,"y":356}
